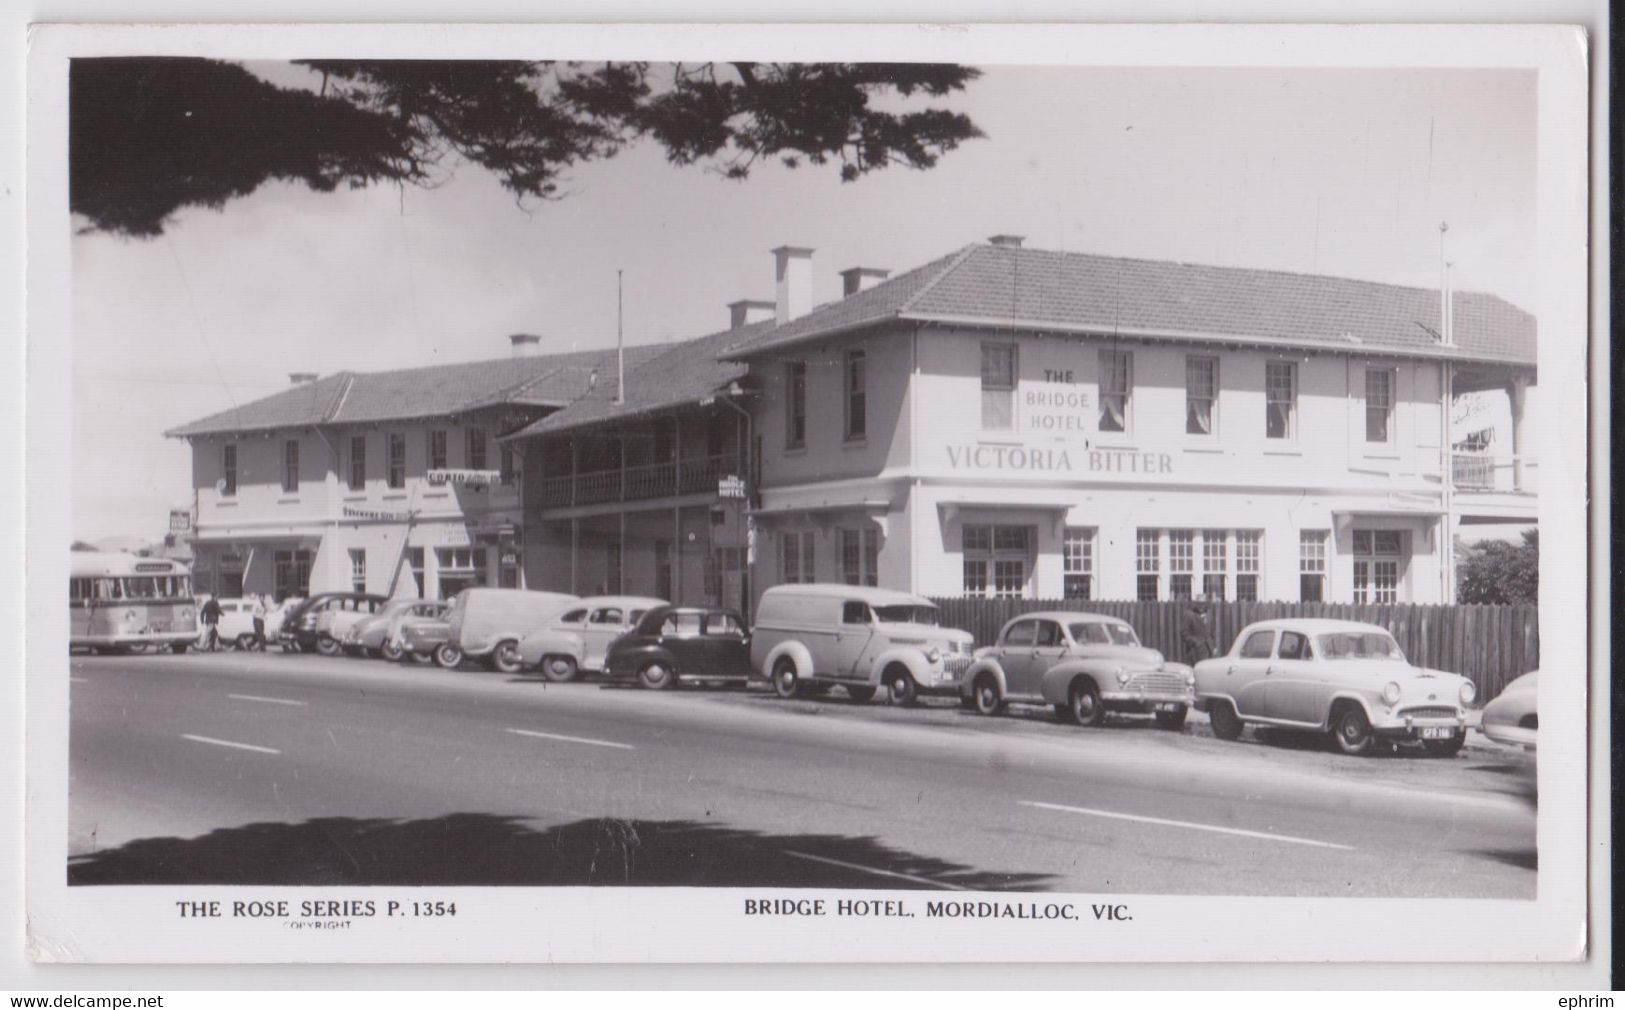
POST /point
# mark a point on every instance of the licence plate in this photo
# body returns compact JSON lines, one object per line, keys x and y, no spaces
{"x":1168,"y":706}
{"x":1437,"y":732}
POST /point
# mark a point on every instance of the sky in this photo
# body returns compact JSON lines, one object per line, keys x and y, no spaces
{"x":1318,"y":171}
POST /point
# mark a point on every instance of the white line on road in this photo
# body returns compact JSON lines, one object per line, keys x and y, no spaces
{"x":228,"y":743}
{"x":271,"y":701}
{"x":573,"y":739}
{"x":1186,"y":824}
{"x":876,"y":871}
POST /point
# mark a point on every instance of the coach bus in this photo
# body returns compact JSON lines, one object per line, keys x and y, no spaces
{"x":119,"y":601}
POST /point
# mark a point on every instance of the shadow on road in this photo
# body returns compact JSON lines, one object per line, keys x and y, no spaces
{"x":489,"y":849}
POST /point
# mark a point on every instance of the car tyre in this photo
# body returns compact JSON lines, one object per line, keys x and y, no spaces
{"x":1226,"y":723}
{"x":1083,"y":703}
{"x":860,"y":692}
{"x":785,"y":681}
{"x":448,"y":656}
{"x":1352,"y":731}
{"x":1173,"y":721}
{"x":656,"y":676}
{"x":1445,"y":748}
{"x":900,"y":688}
{"x":327,"y":645}
{"x":560,"y":669}
{"x":179,"y":648}
{"x":423,"y":658}
{"x":245,"y":641}
{"x":392,"y":652}
{"x":985,"y":695}
{"x":505,"y":657}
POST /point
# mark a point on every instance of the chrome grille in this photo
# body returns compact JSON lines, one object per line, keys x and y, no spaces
{"x":957,"y":664}
{"x":1429,"y":712}
{"x":1162,"y":682}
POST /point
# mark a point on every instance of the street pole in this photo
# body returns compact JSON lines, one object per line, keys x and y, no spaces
{"x":620,"y":344}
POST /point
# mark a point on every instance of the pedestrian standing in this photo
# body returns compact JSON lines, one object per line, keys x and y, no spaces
{"x":211,"y":621}
{"x":259,"y":622}
{"x":1195,"y":636}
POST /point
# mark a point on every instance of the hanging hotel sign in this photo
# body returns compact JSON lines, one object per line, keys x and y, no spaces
{"x":1022,"y":459}
{"x":350,"y":512}
{"x":731,"y":486}
{"x":471,"y":478}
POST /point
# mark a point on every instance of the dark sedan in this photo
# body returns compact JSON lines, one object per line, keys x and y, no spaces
{"x":299,"y":626}
{"x":688,"y":644}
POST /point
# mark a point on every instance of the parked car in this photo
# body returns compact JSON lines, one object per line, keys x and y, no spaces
{"x":422,"y":638}
{"x":236,"y":625}
{"x":1084,"y":665}
{"x":810,"y":637}
{"x":672,"y":645}
{"x":1341,"y":677}
{"x":299,"y":633}
{"x":1511,"y":717}
{"x":334,"y":621}
{"x":574,"y":641}
{"x":488,"y":624}
{"x":370,"y":635}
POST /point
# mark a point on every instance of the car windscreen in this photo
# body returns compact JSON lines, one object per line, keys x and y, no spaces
{"x":1357,"y":645}
{"x":1090,"y":633}
{"x":906,"y":613}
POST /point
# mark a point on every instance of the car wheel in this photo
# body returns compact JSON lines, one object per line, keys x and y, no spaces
{"x":392,"y":652}
{"x":656,"y":676}
{"x":1083,"y":703}
{"x":327,"y":645}
{"x":785,"y":681}
{"x":985,"y":695}
{"x":423,"y":658}
{"x":1352,"y":731}
{"x":505,"y":657}
{"x":179,"y":648}
{"x":560,"y":669}
{"x":860,"y":692}
{"x":1222,"y":715}
{"x":900,"y":688}
{"x":1445,"y":748}
{"x":1174,"y":721}
{"x":448,"y":656}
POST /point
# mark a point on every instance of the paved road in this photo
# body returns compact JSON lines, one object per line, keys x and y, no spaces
{"x":284,"y":769}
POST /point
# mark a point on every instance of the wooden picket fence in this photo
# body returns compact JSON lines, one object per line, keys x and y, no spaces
{"x":1488,"y":644}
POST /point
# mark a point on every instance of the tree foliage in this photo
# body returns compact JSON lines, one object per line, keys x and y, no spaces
{"x":1497,"y":571}
{"x":149,"y":136}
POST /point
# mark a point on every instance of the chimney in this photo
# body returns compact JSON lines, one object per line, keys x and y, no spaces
{"x":1007,"y":241}
{"x":748,"y":310}
{"x":300,"y":378}
{"x":524,"y":344}
{"x":792,"y":282}
{"x":861,"y":279}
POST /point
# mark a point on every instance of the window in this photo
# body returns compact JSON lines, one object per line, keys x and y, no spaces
{"x":358,"y":569}
{"x":857,"y":396}
{"x":476,"y":448}
{"x":437,"y":449}
{"x":1215,"y":563}
{"x":290,"y":466}
{"x":681,"y":625}
{"x":1258,"y":645}
{"x":1293,"y":646}
{"x":722,"y":624}
{"x":1116,"y":386}
{"x":998,"y":387}
{"x":795,"y":405}
{"x":1380,"y":560}
{"x":997,"y":560}
{"x":854,"y":612}
{"x":1147,"y":564}
{"x":1312,"y":565}
{"x":577,"y":616}
{"x":1248,"y":549}
{"x":455,"y":558}
{"x":1078,"y":563}
{"x":860,"y":557}
{"x":1021,"y":634}
{"x":1379,"y":405}
{"x":397,"y":460}
{"x":1181,"y":563}
{"x":796,"y":560}
{"x":358,"y":462}
{"x":292,"y":570}
{"x":509,"y":464}
{"x":1201,"y":391}
{"x":228,"y":469}
{"x":1048,"y":635}
{"x":1280,"y":399}
{"x":606,"y":615}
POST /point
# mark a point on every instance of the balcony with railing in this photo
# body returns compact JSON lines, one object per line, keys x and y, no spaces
{"x":698,"y":475}
{"x":1491,"y":473}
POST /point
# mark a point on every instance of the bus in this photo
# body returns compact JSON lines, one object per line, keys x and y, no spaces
{"x":119,"y":601}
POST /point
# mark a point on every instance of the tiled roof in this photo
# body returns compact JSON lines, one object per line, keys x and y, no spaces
{"x":550,"y":380}
{"x":683,"y":374}
{"x":985,"y":285}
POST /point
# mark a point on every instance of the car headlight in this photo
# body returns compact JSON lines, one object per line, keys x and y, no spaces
{"x":1190,"y":678}
{"x":1122,"y":677}
{"x":1468,"y":692}
{"x":187,"y":615}
{"x":933,"y":655}
{"x":1390,"y":692}
{"x":130,"y":615}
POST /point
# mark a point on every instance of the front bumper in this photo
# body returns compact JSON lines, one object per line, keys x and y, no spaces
{"x":1148,"y":689}
{"x":1413,"y":726}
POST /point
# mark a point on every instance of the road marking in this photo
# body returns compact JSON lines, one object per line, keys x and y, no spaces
{"x":270,"y":701}
{"x":1186,"y":824}
{"x":228,"y":743}
{"x":573,"y":739}
{"x":876,"y":871}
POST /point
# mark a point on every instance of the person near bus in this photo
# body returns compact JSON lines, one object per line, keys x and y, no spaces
{"x":210,"y":615}
{"x":259,"y":622}
{"x":1195,"y":636}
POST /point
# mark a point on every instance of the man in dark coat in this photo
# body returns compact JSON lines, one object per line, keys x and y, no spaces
{"x":211,"y":620}
{"x":1195,"y":636}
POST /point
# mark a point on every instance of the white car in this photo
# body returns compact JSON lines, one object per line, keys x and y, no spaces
{"x":237,"y":622}
{"x":576,"y":640}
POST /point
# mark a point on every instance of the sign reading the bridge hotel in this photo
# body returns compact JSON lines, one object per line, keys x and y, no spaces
{"x":1057,"y":406}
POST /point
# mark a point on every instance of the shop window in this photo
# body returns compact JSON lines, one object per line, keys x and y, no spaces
{"x":860,"y":557}
{"x":1281,"y":399}
{"x":397,"y":460}
{"x":1215,"y":563}
{"x":228,"y":469}
{"x":1181,"y":563}
{"x":1078,"y":563}
{"x":998,"y":387}
{"x":358,"y":462}
{"x":437,"y":449}
{"x":795,"y":400}
{"x":290,"y":466}
{"x":1147,"y":564}
{"x":857,"y":396}
{"x":509,"y":465}
{"x":1249,"y":548}
{"x":1381,"y":558}
{"x":1116,"y":389}
{"x":797,"y":560}
{"x":997,"y":560}
{"x":476,"y":448}
{"x":1312,"y":565}
{"x":358,"y":570}
{"x":1201,"y":394}
{"x":292,"y":573}
{"x":1379,"y":405}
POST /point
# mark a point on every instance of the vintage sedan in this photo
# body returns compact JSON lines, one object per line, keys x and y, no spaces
{"x":574,"y":642}
{"x":1340,"y":677}
{"x":1511,"y":717}
{"x":370,"y":636}
{"x":426,"y":640}
{"x":673,"y":645}
{"x":1084,"y":665}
